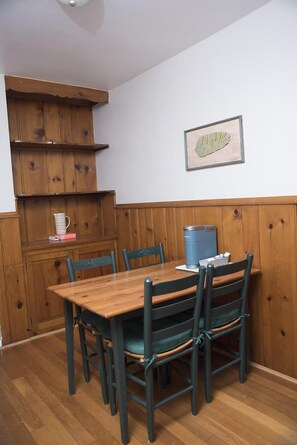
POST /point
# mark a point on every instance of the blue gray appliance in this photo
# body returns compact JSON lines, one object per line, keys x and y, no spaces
{"x":200,"y":242}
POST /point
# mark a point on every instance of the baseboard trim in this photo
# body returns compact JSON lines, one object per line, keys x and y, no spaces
{"x":274,"y":373}
{"x":34,"y":337}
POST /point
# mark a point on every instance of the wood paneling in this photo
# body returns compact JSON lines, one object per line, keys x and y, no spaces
{"x":13,"y":300}
{"x":278,"y":263}
{"x":57,"y":172}
{"x":265,"y":226}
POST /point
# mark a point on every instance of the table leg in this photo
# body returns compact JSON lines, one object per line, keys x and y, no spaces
{"x":120,"y":375}
{"x":68,"y":313}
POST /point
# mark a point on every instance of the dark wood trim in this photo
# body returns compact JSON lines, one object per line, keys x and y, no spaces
{"x":58,"y":195}
{"x":41,"y":90}
{"x":6,"y":215}
{"x":270,"y":200}
{"x":57,"y":146}
{"x":45,"y":245}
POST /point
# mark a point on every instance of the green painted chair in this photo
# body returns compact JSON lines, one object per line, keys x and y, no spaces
{"x":94,"y":324}
{"x":225,"y":311}
{"x":157,"y":339}
{"x":131,"y":257}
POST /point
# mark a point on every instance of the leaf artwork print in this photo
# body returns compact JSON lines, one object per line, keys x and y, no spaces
{"x":210,"y":143}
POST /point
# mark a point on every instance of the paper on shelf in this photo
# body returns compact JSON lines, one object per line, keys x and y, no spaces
{"x":217,"y":260}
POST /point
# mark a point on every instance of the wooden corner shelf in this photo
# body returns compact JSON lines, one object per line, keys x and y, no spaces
{"x":51,"y":145}
{"x":32,"y":246}
{"x":24,"y":88}
{"x":66,"y":194}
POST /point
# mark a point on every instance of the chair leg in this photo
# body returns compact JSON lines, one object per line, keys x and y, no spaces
{"x":102,"y":369}
{"x":247,"y":347}
{"x":149,"y":387}
{"x":242,"y":353}
{"x":111,"y":382}
{"x":84,"y":352}
{"x":194,"y":380}
{"x":207,"y":370}
{"x":165,"y":375}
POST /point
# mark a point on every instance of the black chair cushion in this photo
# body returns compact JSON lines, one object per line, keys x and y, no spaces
{"x":134,"y":341}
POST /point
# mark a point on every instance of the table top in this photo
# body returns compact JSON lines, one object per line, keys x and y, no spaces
{"x":123,"y":292}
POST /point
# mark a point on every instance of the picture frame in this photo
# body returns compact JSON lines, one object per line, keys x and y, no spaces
{"x":216,"y":144}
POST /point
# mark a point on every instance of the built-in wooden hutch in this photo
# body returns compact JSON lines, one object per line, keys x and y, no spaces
{"x":54,"y":170}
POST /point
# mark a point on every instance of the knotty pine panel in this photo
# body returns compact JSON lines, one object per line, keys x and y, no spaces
{"x":33,"y":172}
{"x":69,"y":173}
{"x":55,"y":172}
{"x":16,"y":302}
{"x":87,"y":213}
{"x":65,"y":123}
{"x":16,"y":172}
{"x":51,"y":116}
{"x":13,"y":302}
{"x":171,"y":234}
{"x":44,"y":270}
{"x":232,"y":234}
{"x":82,"y":125}
{"x":12,"y":119}
{"x":146,"y":235}
{"x":124,"y":234}
{"x":4,"y":320}
{"x":159,"y":224}
{"x":279,"y":299}
{"x":134,"y":229}
{"x":10,"y":241}
{"x":36,"y":221}
{"x":30,"y":120}
{"x":106,"y":215}
{"x":71,"y":210}
{"x":85,"y":171}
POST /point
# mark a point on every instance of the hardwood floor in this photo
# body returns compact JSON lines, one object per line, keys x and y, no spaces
{"x":35,"y":407}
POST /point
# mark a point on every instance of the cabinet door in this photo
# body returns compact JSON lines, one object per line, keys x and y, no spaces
{"x":94,"y":250}
{"x":46,"y":311}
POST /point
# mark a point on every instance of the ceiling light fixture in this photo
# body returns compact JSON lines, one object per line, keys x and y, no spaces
{"x":77,"y":3}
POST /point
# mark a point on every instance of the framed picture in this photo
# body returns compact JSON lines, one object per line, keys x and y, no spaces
{"x":212,"y":145}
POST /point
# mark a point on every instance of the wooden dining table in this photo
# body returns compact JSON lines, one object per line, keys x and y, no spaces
{"x":116,"y":297}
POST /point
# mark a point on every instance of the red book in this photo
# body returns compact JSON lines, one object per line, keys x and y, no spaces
{"x":66,"y":236}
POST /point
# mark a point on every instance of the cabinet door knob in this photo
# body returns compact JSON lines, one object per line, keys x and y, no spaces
{"x":57,"y":263}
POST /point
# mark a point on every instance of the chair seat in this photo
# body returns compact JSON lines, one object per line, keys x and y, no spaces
{"x":217,"y":320}
{"x":221,"y":320}
{"x":134,"y":340}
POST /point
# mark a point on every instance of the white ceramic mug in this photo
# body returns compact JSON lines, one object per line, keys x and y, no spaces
{"x":60,"y":222}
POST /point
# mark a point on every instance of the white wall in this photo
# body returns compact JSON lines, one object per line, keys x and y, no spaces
{"x":7,"y":202}
{"x":248,"y":69}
